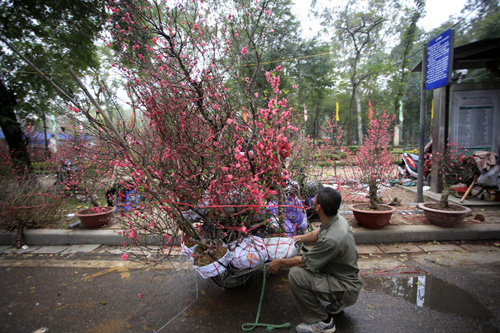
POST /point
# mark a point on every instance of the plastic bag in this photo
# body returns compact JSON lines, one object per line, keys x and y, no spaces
{"x":295,"y":218}
{"x":280,"y":247}
{"x":249,"y":253}
{"x":215,"y":267}
{"x":188,"y":251}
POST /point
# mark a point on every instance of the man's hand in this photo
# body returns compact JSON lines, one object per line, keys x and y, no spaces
{"x":310,"y":237}
{"x":274,"y":266}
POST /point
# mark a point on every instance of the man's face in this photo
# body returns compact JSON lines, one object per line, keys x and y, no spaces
{"x":316,"y":205}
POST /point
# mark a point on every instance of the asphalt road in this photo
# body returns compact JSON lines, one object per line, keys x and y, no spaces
{"x":452,"y":289}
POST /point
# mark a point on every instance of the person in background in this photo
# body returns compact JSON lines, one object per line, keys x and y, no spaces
{"x":326,"y":278}
{"x":122,"y":182}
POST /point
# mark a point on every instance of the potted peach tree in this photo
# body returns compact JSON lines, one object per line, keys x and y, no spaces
{"x":453,"y":167}
{"x":376,"y":165}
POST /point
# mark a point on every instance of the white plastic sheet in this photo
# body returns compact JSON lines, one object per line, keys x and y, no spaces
{"x":188,"y":251}
{"x":249,"y":253}
{"x":214,"y":268}
{"x":280,"y":247}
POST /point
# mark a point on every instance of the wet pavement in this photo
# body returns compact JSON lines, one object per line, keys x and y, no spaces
{"x":418,"y":287}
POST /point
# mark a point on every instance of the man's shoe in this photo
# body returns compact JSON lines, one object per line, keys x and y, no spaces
{"x":319,"y":327}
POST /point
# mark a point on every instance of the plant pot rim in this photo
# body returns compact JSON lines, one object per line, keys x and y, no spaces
{"x":391,"y":209}
{"x":109,"y":209}
{"x":464,"y":210}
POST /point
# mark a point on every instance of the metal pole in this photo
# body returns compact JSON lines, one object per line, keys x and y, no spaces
{"x":420,"y":179}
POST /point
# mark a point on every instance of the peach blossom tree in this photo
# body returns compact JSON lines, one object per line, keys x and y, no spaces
{"x":213,"y":140}
{"x":454,"y":166}
{"x":374,"y":158}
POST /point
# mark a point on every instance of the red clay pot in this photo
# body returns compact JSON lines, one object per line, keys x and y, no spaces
{"x":444,"y":218}
{"x":91,"y":219}
{"x":372,"y":219}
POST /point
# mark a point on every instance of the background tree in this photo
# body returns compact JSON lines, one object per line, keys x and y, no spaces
{"x":270,"y":36}
{"x":483,"y":23}
{"x":409,"y":34}
{"x":358,"y":34}
{"x":314,"y":76}
{"x":54,"y":35}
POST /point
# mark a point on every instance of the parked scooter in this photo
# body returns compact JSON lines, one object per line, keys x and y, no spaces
{"x":408,"y":167}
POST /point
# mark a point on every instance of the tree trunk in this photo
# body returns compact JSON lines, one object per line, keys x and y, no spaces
{"x":19,"y":234}
{"x":373,"y":194}
{"x":316,"y":123}
{"x":12,"y":130}
{"x":360,"y":122}
{"x":443,"y":201}
{"x":350,"y":123}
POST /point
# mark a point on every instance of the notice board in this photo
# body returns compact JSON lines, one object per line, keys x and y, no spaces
{"x":475,"y":118}
{"x":440,"y":60}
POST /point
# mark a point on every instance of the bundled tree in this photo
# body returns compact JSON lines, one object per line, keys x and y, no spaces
{"x":213,"y":141}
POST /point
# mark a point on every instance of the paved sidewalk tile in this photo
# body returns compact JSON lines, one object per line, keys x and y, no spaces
{"x":439,"y":247}
{"x":50,"y":249}
{"x":400,"y":248}
{"x":475,"y":248}
{"x":367,"y":249}
{"x":81,"y":248}
{"x":116,"y":251}
{"x":5,"y":247}
{"x":21,"y":250}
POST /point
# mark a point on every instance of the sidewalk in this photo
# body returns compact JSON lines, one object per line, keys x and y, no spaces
{"x":411,"y":231}
{"x":365,"y":250}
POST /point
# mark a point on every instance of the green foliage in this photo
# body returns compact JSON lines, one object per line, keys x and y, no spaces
{"x":314,"y":71}
{"x":47,"y":167}
{"x":484,"y":24}
{"x":54,"y":35}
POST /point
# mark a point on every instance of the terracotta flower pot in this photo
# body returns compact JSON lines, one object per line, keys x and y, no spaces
{"x":444,"y":218}
{"x":372,"y":219}
{"x":95,"y":217}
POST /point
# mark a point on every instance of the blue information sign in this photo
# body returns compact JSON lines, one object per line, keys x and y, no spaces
{"x":440,"y":60}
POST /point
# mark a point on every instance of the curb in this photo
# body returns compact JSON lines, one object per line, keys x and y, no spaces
{"x":388,"y":234}
{"x":426,"y":233}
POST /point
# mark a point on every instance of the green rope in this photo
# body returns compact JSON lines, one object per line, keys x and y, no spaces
{"x":269,"y":327}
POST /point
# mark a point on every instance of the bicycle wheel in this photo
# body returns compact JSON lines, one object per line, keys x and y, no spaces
{"x":231,"y":281}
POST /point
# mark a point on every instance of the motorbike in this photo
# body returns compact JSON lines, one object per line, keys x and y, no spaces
{"x":408,"y":166}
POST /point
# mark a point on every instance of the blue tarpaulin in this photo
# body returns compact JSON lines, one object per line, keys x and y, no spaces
{"x":38,"y":138}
